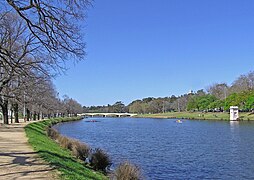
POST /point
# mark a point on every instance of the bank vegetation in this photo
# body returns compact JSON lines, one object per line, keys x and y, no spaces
{"x":74,"y":159}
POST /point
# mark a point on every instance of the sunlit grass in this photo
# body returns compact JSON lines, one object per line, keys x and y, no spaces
{"x":200,"y":115}
{"x":59,"y":158}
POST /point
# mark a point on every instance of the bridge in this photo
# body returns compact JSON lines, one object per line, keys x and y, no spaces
{"x":108,"y":114}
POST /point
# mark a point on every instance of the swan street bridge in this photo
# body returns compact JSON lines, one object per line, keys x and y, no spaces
{"x":107,"y":114}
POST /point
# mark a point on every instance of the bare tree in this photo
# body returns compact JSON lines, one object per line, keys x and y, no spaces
{"x":72,"y":106}
{"x":19,"y":58}
{"x":180,"y":104}
{"x":36,"y":38}
{"x":243,"y":83}
{"x":54,"y":24}
{"x":220,"y":91}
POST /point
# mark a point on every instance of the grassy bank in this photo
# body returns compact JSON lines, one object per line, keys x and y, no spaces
{"x":199,"y":115}
{"x":68,"y":166}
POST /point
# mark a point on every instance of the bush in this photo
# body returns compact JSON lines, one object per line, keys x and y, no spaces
{"x":80,"y":150}
{"x":65,"y":142}
{"x":52,"y":133}
{"x":100,"y":160}
{"x":127,"y":171}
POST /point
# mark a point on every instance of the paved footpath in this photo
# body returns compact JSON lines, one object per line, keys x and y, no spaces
{"x":17,"y":158}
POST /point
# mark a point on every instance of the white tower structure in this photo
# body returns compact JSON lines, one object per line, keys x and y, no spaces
{"x":234,"y":113}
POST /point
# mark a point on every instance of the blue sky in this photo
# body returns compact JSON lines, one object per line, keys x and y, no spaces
{"x":143,"y":48}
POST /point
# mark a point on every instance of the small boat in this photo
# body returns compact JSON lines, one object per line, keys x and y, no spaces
{"x":92,"y":120}
{"x":179,"y":121}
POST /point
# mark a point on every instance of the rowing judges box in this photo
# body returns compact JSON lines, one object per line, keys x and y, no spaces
{"x":234,"y":113}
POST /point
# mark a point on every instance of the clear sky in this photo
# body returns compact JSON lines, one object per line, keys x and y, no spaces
{"x":158,"y":48}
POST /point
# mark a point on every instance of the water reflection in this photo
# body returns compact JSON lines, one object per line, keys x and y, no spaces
{"x":235,"y":138}
{"x":234,"y":125}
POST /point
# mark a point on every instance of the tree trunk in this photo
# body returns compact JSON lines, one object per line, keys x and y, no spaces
{"x":28,"y":115}
{"x":5,"y":111}
{"x":11,"y":115}
{"x":16,"y":112}
{"x":34,"y":116}
{"x":41,"y":115}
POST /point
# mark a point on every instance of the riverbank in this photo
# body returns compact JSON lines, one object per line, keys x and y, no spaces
{"x":198,"y":115}
{"x":58,"y":157}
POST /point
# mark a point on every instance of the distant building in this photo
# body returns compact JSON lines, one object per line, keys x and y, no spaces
{"x":234,"y":113}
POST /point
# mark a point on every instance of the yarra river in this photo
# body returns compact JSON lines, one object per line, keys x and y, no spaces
{"x":164,"y":149}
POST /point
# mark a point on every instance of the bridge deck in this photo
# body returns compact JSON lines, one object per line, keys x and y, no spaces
{"x":108,"y":114}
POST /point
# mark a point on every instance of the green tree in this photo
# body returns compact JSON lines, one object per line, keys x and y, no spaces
{"x":136,"y":107}
{"x":192,"y":103}
{"x":249,"y":103}
{"x":118,"y":107}
{"x":237,"y":99}
{"x":218,"y":104}
{"x":200,"y":102}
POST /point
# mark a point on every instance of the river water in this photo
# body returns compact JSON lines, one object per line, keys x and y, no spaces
{"x":166,"y":150}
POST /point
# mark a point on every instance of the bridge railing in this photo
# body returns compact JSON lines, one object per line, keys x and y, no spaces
{"x":108,"y":114}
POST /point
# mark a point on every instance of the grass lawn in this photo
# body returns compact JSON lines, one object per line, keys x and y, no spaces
{"x":199,"y":115}
{"x":68,"y":166}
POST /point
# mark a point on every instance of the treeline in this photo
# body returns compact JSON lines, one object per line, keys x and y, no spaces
{"x":219,"y":97}
{"x":118,"y":107}
{"x":36,"y":40}
{"x":216,"y":98}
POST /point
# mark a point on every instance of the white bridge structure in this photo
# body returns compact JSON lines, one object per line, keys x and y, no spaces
{"x":108,"y":114}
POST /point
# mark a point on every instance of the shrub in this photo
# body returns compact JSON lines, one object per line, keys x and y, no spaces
{"x":80,"y":150}
{"x":126,"y":170}
{"x":100,"y":160}
{"x":52,"y":133}
{"x":65,"y":142}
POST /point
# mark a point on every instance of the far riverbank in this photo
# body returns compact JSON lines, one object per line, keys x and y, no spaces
{"x":198,"y":115}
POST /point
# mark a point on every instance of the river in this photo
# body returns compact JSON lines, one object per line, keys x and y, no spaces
{"x":164,"y":149}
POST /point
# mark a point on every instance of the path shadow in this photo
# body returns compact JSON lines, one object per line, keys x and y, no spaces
{"x":21,"y":159}
{"x":25,"y":173}
{"x":66,"y":162}
{"x":11,"y":129}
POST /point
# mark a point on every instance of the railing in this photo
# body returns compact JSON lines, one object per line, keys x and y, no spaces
{"x":108,"y":114}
